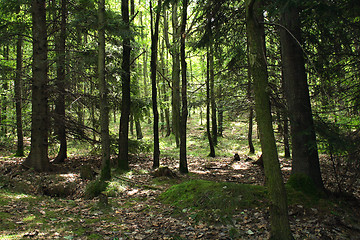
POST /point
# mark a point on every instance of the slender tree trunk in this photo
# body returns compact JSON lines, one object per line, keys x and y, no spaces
{"x":184,"y":113}
{"x":38,"y":156}
{"x":280,"y":228}
{"x":60,"y":86}
{"x":208,"y":131}
{"x":153,"y":63}
{"x":176,"y":75}
{"x":251,"y":112}
{"x":304,"y":146}
{"x":18,"y":97}
{"x":123,"y":160}
{"x":212,"y":96}
{"x":139,"y":134}
{"x":104,"y":105}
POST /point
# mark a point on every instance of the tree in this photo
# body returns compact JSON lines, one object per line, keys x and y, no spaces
{"x":60,"y":85}
{"x":304,"y":146}
{"x":123,"y":160}
{"x":280,"y":228}
{"x":184,"y":112}
{"x":211,"y":144}
{"x":103,"y":91}
{"x":38,"y":156}
{"x":18,"y":97}
{"x":153,"y":68}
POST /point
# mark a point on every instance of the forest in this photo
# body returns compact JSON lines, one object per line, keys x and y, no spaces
{"x":179,"y":119}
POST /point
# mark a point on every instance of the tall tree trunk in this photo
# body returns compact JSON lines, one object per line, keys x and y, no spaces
{"x":212,"y":95}
{"x":104,"y":105}
{"x":123,"y":160}
{"x":251,"y":112}
{"x":184,"y":112}
{"x":38,"y":156}
{"x":139,"y":134}
{"x":153,"y":65}
{"x":176,"y":75}
{"x":280,"y":228}
{"x":211,"y":144}
{"x":18,"y":97}
{"x":304,"y":146}
{"x":60,"y":86}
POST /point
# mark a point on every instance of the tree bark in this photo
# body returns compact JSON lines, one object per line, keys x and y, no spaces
{"x":103,"y":90}
{"x":280,"y":228}
{"x":60,"y":86}
{"x":175,"y":75}
{"x":123,"y":159}
{"x":38,"y":156}
{"x":304,"y":146}
{"x":18,"y":97}
{"x":214,"y":128}
{"x":153,"y":66}
{"x":208,"y":131}
{"x":184,"y":112}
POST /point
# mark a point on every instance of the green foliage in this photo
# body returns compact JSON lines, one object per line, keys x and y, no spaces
{"x":95,"y":188}
{"x":213,"y":201}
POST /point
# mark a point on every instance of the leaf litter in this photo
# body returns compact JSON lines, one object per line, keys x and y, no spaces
{"x":27,"y":211}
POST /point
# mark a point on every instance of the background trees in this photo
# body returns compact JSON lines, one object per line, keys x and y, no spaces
{"x":208,"y":37}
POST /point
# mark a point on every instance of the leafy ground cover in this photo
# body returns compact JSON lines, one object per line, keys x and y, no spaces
{"x":219,"y":199}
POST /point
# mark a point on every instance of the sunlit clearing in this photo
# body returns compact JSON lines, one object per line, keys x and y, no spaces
{"x":70,"y":177}
{"x":12,"y":236}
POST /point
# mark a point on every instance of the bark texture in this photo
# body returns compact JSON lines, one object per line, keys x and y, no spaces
{"x":280,"y":228}
{"x":38,"y":156}
{"x":304,"y":146}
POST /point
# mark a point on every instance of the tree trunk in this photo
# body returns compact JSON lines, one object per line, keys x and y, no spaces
{"x":280,"y":228}
{"x":250,"y":130}
{"x":18,"y":97}
{"x":139,"y":134}
{"x":60,"y":86}
{"x":38,"y":156}
{"x":153,"y":65}
{"x":211,"y":144}
{"x":123,"y":159}
{"x":184,"y":113}
{"x":212,"y":95}
{"x":104,"y":105}
{"x":175,"y":75}
{"x":304,"y":146}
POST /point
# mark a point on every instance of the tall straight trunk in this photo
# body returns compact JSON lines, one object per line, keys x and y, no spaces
{"x":208,"y":131}
{"x":212,"y":95}
{"x":286,"y":137}
{"x":304,"y":146}
{"x":60,"y":86}
{"x":104,"y":105}
{"x":38,"y":156}
{"x":251,"y":112}
{"x":280,"y":228}
{"x":18,"y":97}
{"x":184,"y":112}
{"x":153,"y":66}
{"x":139,"y":134}
{"x":176,"y":75}
{"x":123,"y":159}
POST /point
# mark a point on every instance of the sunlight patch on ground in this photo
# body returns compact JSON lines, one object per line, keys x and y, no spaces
{"x":240,"y":166}
{"x":70,"y":177}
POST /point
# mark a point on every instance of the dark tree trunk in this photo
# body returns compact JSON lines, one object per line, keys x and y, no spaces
{"x":60,"y":86}
{"x":212,"y":96}
{"x":104,"y":105}
{"x":123,"y":159}
{"x":18,"y":98}
{"x":250,"y":130}
{"x":139,"y":134}
{"x":154,"y":49}
{"x":38,"y":156}
{"x":176,"y":75}
{"x":211,"y":144}
{"x":304,"y":146}
{"x":280,"y":228}
{"x":184,"y":113}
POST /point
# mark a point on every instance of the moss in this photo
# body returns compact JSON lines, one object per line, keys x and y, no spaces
{"x":95,"y":188}
{"x":213,"y":201}
{"x":304,"y":184}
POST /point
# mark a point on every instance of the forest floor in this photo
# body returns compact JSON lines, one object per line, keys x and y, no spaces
{"x":52,"y":205}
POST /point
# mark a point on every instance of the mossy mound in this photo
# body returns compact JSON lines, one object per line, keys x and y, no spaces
{"x":214,"y":201}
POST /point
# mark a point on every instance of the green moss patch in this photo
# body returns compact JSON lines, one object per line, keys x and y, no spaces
{"x":213,"y":201}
